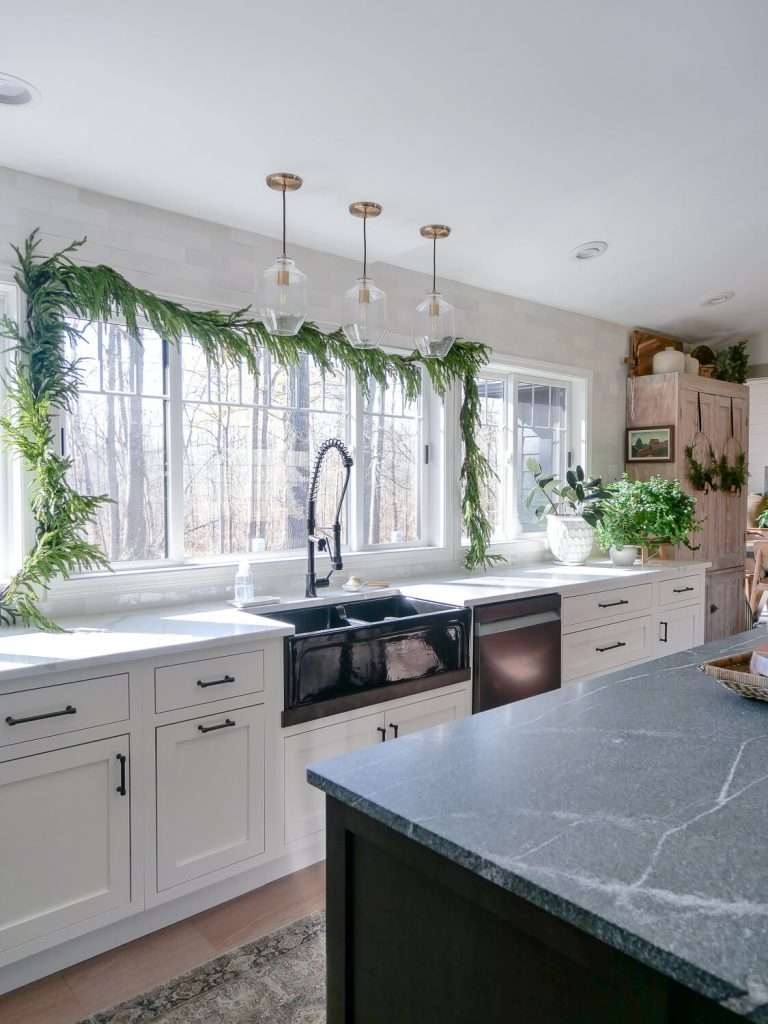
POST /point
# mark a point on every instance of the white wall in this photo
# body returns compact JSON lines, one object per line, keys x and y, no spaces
{"x":758,"y":434}
{"x":213,"y":265}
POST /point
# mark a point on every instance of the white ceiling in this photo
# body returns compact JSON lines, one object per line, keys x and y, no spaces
{"x":529,"y":127}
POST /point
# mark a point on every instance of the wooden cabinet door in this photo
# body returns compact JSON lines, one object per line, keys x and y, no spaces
{"x":678,"y":629}
{"x":422,"y":714}
{"x":725,"y":607}
{"x":64,"y":839}
{"x":305,"y":805}
{"x":210,"y":794}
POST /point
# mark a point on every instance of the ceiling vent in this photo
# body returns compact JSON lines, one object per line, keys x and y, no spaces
{"x":589,"y":250}
{"x":718,"y":300}
{"x":15,"y":92}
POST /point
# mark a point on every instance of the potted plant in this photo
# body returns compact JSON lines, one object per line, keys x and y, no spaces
{"x":571,"y":508}
{"x":642,"y":514}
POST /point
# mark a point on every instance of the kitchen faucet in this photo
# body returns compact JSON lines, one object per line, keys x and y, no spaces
{"x":314,"y":532}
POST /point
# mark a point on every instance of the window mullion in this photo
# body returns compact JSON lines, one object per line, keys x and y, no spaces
{"x":175,"y":454}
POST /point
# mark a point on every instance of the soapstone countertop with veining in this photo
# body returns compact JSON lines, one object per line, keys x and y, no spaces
{"x":634,"y":806}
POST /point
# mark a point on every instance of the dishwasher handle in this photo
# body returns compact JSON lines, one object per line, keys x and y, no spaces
{"x":521,"y":622}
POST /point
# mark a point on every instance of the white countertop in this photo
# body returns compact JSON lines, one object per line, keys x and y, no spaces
{"x":93,"y":641}
{"x":97,"y":640}
{"x":545,"y":578}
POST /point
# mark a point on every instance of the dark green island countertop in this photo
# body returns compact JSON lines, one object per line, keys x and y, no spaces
{"x":633,"y":807}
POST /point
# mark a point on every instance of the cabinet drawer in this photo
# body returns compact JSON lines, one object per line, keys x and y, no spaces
{"x":686,"y":590}
{"x":199,"y":682}
{"x":591,"y":651}
{"x":67,"y":707}
{"x":606,"y":604}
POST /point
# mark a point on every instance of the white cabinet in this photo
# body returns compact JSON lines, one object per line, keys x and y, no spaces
{"x":64,"y":838}
{"x":422,"y":714}
{"x":602,"y":648}
{"x":678,"y":629}
{"x":305,"y":805}
{"x":210,"y":794}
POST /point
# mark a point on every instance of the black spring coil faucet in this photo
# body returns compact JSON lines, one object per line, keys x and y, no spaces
{"x":312,"y":581}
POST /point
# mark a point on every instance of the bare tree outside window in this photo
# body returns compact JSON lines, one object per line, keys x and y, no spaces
{"x":390,"y":465}
{"x":116,"y":438}
{"x":248,"y":449}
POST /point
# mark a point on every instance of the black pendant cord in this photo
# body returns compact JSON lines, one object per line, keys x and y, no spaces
{"x":283,"y":221}
{"x":365,"y":247}
{"x":434,"y":265}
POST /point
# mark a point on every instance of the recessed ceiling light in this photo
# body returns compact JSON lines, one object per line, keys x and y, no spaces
{"x":589,"y":250}
{"x":15,"y":92}
{"x":718,"y":300}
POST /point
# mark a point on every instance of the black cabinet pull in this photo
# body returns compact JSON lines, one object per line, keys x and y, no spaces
{"x":682,"y":590}
{"x":613,"y":604}
{"x":602,"y":650}
{"x":395,"y":729}
{"x":121,"y":788}
{"x":382,"y":732}
{"x":212,"y":728}
{"x":68,"y":710}
{"x":216,"y":682}
{"x":664,"y":638}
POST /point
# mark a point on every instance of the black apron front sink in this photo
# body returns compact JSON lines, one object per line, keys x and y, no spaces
{"x":356,"y":653}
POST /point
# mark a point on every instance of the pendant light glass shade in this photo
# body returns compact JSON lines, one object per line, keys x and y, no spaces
{"x":283,"y":296}
{"x":365,"y":305}
{"x":435,"y":326}
{"x":435,"y":330}
{"x":365,"y":314}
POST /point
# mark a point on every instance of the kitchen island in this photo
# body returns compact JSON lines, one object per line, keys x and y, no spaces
{"x":594,"y":854}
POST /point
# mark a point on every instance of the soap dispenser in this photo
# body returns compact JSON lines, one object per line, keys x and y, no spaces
{"x":243,"y":583}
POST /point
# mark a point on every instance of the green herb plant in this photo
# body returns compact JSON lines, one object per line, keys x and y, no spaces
{"x":645,"y":513}
{"x":42,"y":382}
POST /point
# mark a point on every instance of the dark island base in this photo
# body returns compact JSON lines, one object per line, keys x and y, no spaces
{"x":415,"y":939}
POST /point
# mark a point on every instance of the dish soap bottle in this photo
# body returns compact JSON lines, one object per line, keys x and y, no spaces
{"x":243,"y":583}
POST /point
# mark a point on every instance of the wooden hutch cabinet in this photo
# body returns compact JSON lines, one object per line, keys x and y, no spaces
{"x":675,"y":399}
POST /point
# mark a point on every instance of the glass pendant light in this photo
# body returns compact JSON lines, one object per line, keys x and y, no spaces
{"x":365,"y":305}
{"x":284,"y":286}
{"x":435,"y":318}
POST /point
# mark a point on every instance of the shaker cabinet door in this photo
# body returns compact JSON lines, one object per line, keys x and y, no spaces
{"x":423,"y":714}
{"x":64,"y":838}
{"x":210,"y":794}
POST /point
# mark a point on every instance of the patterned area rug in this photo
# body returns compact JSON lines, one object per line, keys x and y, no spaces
{"x":279,"y":979}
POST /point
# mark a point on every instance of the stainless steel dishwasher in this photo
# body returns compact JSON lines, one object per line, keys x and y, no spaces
{"x":516,"y":650}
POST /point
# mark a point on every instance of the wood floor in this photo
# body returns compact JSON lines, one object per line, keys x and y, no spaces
{"x":118,"y":974}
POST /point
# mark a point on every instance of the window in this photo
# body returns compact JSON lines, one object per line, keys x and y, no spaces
{"x":391,"y":466}
{"x":249,"y":443}
{"x":522,"y":418}
{"x":203,"y":462}
{"x":117,"y":438}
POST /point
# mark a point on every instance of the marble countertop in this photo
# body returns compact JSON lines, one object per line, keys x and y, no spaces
{"x":94,"y":640}
{"x":544,"y":578}
{"x":633,"y":806}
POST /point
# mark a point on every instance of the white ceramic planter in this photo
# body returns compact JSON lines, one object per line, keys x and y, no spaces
{"x":570,"y":538}
{"x":624,"y":556}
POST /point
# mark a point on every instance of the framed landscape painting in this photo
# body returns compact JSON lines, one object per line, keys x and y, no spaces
{"x":650,"y":444}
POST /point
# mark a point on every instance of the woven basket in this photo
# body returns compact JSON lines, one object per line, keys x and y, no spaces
{"x":734,"y":673}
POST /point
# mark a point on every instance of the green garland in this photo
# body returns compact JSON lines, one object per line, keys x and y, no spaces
{"x":717,"y":474}
{"x":43,"y":381}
